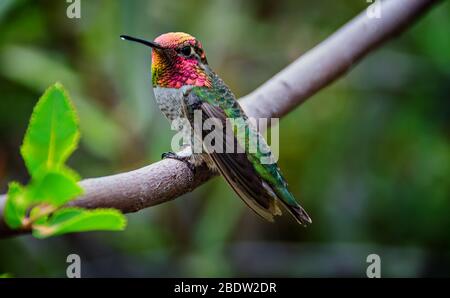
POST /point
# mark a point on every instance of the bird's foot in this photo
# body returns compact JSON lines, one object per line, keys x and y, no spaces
{"x":186,"y":159}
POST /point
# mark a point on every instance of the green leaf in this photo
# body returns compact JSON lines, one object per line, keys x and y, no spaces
{"x":69,"y":220}
{"x":40,"y":214}
{"x":51,"y":138}
{"x":6,"y":275}
{"x":54,"y":188}
{"x":53,"y":132}
{"x":16,"y":205}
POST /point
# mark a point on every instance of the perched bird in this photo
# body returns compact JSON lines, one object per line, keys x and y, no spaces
{"x":184,"y":83}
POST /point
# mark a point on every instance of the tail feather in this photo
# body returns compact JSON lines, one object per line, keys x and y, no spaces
{"x":290,"y":203}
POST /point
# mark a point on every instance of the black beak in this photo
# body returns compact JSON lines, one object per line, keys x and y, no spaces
{"x":144,"y":42}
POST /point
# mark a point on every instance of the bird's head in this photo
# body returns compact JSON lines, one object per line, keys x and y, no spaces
{"x":178,"y":60}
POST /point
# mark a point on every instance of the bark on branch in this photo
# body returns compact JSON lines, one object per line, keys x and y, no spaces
{"x":168,"y":179}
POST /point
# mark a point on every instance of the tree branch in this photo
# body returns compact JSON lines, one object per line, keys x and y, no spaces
{"x":168,"y":179}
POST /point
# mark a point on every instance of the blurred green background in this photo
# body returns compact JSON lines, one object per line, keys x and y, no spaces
{"x":369,"y":156}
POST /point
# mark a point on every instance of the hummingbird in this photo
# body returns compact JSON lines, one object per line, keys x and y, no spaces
{"x":183,"y":84}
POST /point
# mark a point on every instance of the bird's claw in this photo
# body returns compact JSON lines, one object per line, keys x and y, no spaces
{"x":185,"y":159}
{"x":169,"y":154}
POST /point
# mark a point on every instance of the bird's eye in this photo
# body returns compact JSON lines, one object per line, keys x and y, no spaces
{"x":186,"y":51}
